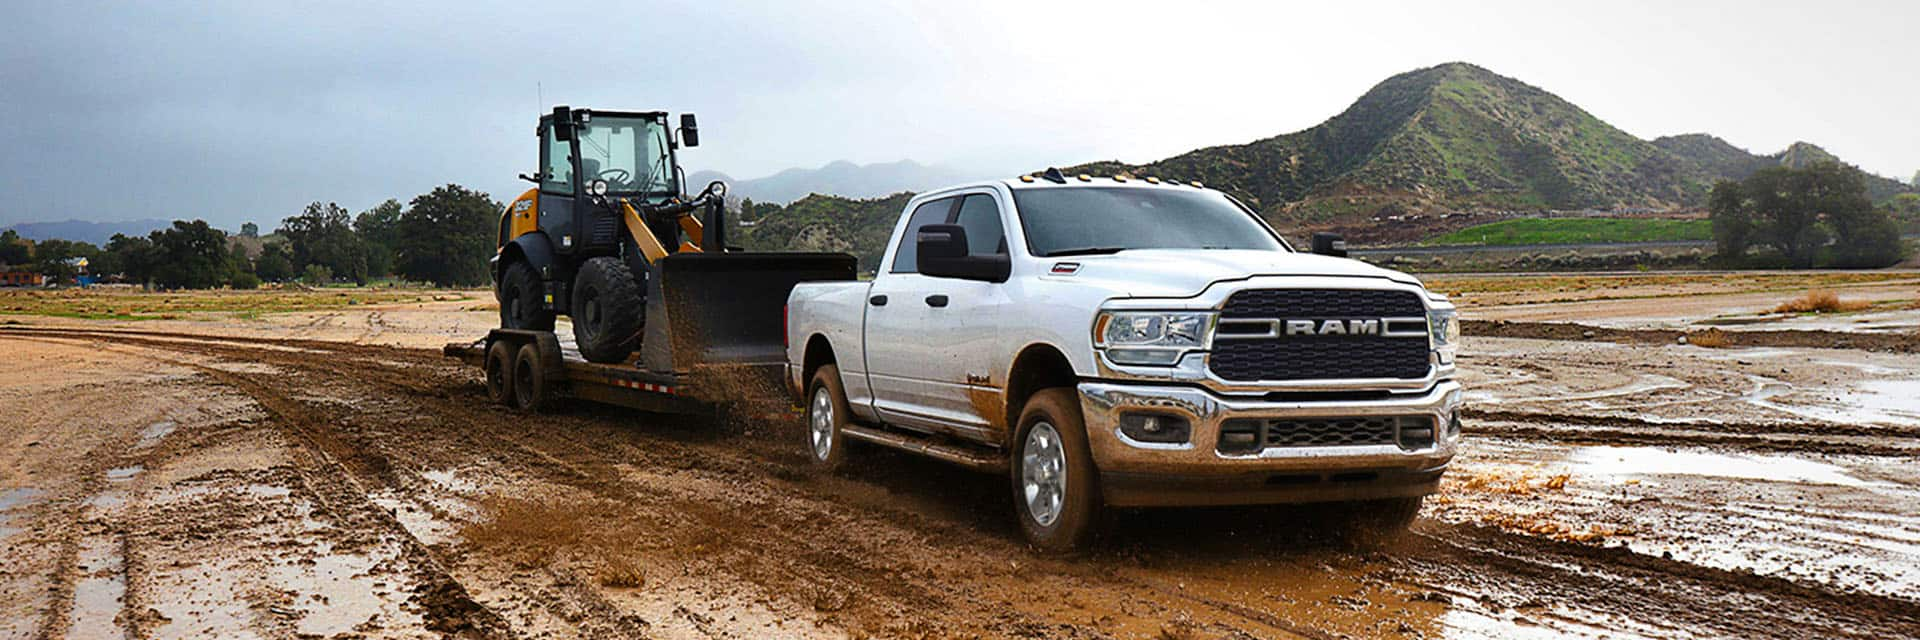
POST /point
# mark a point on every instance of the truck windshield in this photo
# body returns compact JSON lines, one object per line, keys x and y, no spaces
{"x":1094,"y":220}
{"x":629,"y":153}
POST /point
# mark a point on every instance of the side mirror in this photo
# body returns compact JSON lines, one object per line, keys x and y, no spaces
{"x":562,"y":123}
{"x":689,"y":131}
{"x":1329,"y":244}
{"x":942,"y":252}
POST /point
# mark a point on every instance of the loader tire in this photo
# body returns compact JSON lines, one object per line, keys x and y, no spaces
{"x":522,"y":300}
{"x":607,"y":306}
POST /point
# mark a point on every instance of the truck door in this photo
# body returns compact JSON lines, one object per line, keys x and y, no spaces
{"x":903,"y":355}
{"x":969,"y":330}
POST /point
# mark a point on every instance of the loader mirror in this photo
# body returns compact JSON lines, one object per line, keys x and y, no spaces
{"x":562,"y":124}
{"x":689,"y":131}
{"x":942,"y":252}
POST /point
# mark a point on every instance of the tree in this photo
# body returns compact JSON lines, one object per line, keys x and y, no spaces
{"x":15,"y":250}
{"x":130,"y":256}
{"x":1798,"y":211}
{"x":56,"y":257}
{"x":1916,"y":179}
{"x":446,"y":236}
{"x":275,"y":263}
{"x":322,"y":235}
{"x":191,"y":255}
{"x":250,"y":230}
{"x":379,"y":231}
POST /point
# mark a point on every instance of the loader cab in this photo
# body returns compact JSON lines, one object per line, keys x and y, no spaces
{"x":586,"y":153}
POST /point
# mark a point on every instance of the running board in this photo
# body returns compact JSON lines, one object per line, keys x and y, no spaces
{"x":969,"y":457}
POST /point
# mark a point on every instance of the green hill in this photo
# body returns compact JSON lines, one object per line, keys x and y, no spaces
{"x":1578,"y":231}
{"x":826,"y":223}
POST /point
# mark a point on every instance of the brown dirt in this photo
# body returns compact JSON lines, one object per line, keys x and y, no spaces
{"x":1807,"y":338}
{"x":333,"y":468}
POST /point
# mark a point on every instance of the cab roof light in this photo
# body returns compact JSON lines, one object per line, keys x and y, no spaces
{"x":1152,"y":180}
{"x":1119,"y":177}
{"x":1026,"y":178}
{"x":1196,"y":184}
{"x":1086,"y":178}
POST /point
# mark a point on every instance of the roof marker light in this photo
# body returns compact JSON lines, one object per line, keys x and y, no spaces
{"x":1152,"y":180}
{"x":1196,"y":184}
{"x":1026,"y":178}
{"x":1119,"y":178}
{"x":1086,"y":178}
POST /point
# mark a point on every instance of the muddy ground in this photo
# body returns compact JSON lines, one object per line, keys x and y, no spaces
{"x":330,"y":474}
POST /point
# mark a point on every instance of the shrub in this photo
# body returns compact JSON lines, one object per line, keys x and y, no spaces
{"x":1820,"y":301}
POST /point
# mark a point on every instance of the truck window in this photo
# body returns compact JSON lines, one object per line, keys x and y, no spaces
{"x":981,"y":218}
{"x":1108,"y":219}
{"x":905,"y":259}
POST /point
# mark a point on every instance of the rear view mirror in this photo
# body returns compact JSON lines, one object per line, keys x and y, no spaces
{"x":1329,"y":244}
{"x":942,"y":252}
{"x":689,"y":131}
{"x":562,"y":123}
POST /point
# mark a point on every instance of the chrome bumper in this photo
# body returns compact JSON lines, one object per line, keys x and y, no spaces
{"x":1198,"y":461}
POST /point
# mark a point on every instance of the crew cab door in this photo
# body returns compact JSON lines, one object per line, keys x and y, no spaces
{"x":932,"y":347}
{"x":901,"y":349}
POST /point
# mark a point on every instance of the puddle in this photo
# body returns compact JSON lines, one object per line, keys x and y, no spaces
{"x":100,"y":593}
{"x":124,"y":474}
{"x":1644,"y":461}
{"x":335,"y":592}
{"x":154,"y":433}
{"x":12,"y":498}
{"x":1872,"y":401}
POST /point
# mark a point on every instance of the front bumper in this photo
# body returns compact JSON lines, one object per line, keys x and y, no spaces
{"x":1196,"y":473}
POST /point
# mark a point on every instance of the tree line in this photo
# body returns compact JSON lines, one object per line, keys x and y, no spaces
{"x":443,"y":237}
{"x":1815,"y":216}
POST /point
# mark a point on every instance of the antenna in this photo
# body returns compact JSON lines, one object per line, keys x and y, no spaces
{"x":539,"y":94}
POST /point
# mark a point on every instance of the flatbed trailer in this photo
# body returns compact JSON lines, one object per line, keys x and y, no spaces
{"x":555,"y":372}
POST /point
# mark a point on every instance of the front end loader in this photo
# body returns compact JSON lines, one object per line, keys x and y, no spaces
{"x":608,"y":239}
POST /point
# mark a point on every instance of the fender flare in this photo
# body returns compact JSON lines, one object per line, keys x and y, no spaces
{"x":534,"y":247}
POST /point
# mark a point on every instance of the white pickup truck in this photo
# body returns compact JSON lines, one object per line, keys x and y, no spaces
{"x":1116,"y":342}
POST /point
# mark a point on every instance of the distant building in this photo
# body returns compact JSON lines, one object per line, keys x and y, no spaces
{"x":22,"y":279}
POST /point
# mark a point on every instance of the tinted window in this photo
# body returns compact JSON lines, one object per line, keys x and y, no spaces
{"x":905,"y":259}
{"x":1106,"y":219}
{"x":559,"y":169}
{"x":981,"y":217}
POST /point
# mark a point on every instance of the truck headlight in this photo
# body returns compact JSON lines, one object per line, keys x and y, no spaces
{"x":1151,"y":337}
{"x":1444,"y":326}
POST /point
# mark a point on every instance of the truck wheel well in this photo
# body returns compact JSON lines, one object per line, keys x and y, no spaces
{"x":1037,"y":367}
{"x":819,"y":352}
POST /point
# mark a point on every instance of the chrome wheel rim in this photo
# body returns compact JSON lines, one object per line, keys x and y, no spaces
{"x":821,"y":423}
{"x":1043,"y":473}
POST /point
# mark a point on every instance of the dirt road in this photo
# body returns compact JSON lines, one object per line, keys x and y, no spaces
{"x":163,"y":484}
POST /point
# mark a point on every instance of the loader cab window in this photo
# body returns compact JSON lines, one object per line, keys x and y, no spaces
{"x":629,"y":153}
{"x":558,"y":174}
{"x":905,"y":256}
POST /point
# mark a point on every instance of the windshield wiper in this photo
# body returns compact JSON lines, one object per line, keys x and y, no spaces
{"x":1086,"y":251}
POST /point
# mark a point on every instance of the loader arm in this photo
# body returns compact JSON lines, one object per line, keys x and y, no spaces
{"x":650,"y":246}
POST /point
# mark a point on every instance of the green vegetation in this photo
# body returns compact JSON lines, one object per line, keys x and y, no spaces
{"x":126,"y":303}
{"x":1818,"y":215}
{"x":826,"y":223}
{"x":1578,"y":231}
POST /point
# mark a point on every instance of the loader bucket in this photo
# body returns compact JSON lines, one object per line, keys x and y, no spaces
{"x":726,"y":308}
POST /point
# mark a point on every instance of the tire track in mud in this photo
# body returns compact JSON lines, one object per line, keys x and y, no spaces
{"x":329,"y":478}
{"x":1598,"y":578}
{"x":1780,"y":437}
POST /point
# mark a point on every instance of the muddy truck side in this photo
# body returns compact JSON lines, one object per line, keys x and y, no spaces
{"x":1124,"y":343}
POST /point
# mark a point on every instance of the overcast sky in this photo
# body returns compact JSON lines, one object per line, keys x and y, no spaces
{"x":248,"y":110}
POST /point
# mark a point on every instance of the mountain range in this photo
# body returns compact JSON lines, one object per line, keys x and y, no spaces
{"x":1450,"y":138}
{"x":840,"y":178}
{"x":96,"y":233}
{"x":1459,"y":137}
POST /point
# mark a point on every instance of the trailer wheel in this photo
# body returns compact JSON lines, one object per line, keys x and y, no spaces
{"x":1056,"y":488}
{"x":826,"y":414}
{"x":500,"y":372}
{"x":529,"y":380}
{"x":606,"y":310}
{"x":522,"y":300}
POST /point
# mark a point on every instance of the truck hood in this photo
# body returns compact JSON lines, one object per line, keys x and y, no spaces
{"x":1181,"y":273}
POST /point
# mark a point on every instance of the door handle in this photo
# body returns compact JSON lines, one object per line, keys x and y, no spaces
{"x":878,"y":301}
{"x":937,"y":300}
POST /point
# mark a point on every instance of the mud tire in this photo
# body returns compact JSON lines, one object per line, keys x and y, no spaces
{"x":522,"y":299}
{"x":833,"y":455}
{"x":1080,"y":505}
{"x":530,"y":389}
{"x":607,"y":306}
{"x":499,"y":366}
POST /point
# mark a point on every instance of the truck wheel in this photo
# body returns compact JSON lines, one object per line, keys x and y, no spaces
{"x":500,"y":372}
{"x":522,"y":300}
{"x":826,"y":414}
{"x":529,"y":379}
{"x":1056,"y":488}
{"x":606,"y":310}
